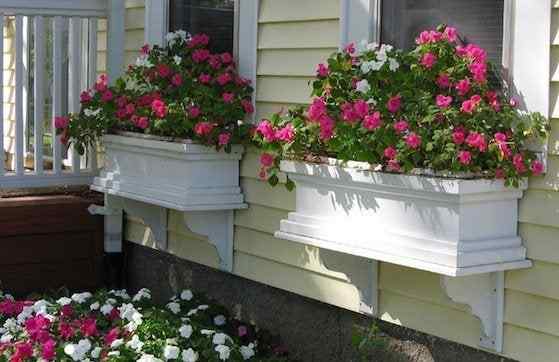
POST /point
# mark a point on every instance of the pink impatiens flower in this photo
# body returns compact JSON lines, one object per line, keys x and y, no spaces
{"x":266,"y":160}
{"x":200,"y":55}
{"x":322,"y":70}
{"x":443,"y":81}
{"x":159,"y":108}
{"x":203,"y":128}
{"x":247,"y":106}
{"x":228,"y":97}
{"x":394,"y":103}
{"x":176,"y":80}
{"x":286,"y":134}
{"x":348,"y":113}
{"x":393,"y":165}
{"x":536,"y":167}
{"x":443,"y":101}
{"x":463,"y":86}
{"x":163,"y":70}
{"x":194,"y":112}
{"x":390,"y":153}
{"x":224,"y":78}
{"x":372,"y":121}
{"x":450,"y":34}
{"x":326,"y":127}
{"x":413,"y":140}
{"x":266,"y":130}
{"x":107,"y":96}
{"x":361,"y":108}
{"x":226,"y":58}
{"x":401,"y":126}
{"x":458,"y":137}
{"x":465,"y":157}
{"x":140,"y":122}
{"x":85,"y":97}
{"x":224,"y":138}
{"x":499,"y":173}
{"x":204,"y":78}
{"x":61,"y":122}
{"x":518,"y":162}
{"x":317,"y":109}
{"x":428,"y":60}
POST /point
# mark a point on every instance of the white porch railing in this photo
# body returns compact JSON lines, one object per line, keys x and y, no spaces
{"x":53,"y":55}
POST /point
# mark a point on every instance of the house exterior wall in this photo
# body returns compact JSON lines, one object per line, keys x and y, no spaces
{"x":293,"y":36}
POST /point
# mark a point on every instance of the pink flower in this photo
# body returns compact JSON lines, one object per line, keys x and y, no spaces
{"x":267,"y":131}
{"x":140,"y":122}
{"x":413,"y":140}
{"x":144,"y":49}
{"x":500,"y":137}
{"x":242,"y":331}
{"x":443,"y":101}
{"x":200,"y":55}
{"x":24,"y":350}
{"x":65,"y":330}
{"x":463,"y":87}
{"x":247,"y":106}
{"x":130,"y":108}
{"x":350,"y":48}
{"x":266,"y":160}
{"x":372,"y":121}
{"x":286,"y":134}
{"x":477,"y":140}
{"x":465,"y":157}
{"x":204,"y":78}
{"x":48,"y":350}
{"x":198,"y":39}
{"x":450,"y":34}
{"x":203,"y":128}
{"x":89,"y":327}
{"x":513,"y":102}
{"x":479,"y":72}
{"x":499,"y":173}
{"x":458,"y":137}
{"x":400,"y":126}
{"x":224,"y":78}
{"x":224,"y":139}
{"x":472,"y":52}
{"x":163,"y":70}
{"x":317,"y":109}
{"x":226,"y":58}
{"x":228,"y":97}
{"x":536,"y":167}
{"x":518,"y":162}
{"x":393,"y":165}
{"x":194,"y":112}
{"x":112,"y":336}
{"x":322,"y":70}
{"x":61,"y":122}
{"x":106,"y":96}
{"x":102,"y":83}
{"x":443,"y":81}
{"x":326,"y":127}
{"x":428,"y":60}
{"x":176,"y":80}
{"x":85,"y":97}
{"x":159,"y":108}
{"x":427,"y":37}
{"x":394,"y":103}
{"x":390,"y":152}
{"x":361,"y":108}
{"x":468,"y":107}
{"x":348,"y":114}
{"x":214,"y":61}
{"x":121,"y":101}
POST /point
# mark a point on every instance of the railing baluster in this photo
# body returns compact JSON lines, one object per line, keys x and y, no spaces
{"x":91,"y":77}
{"x":2,"y":154}
{"x":19,"y":141}
{"x":75,"y":57}
{"x":38,"y":89}
{"x":58,"y":33}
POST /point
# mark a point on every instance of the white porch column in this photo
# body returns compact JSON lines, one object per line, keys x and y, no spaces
{"x":115,"y":38}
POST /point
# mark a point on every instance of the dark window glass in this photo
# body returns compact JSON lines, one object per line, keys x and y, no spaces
{"x":478,"y":21}
{"x":213,"y":17}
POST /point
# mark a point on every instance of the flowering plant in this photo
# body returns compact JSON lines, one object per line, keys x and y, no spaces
{"x":112,"y":326}
{"x":181,"y":90}
{"x":435,"y":109}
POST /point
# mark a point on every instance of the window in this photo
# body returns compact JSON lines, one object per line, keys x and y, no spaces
{"x":213,"y":17}
{"x":479,"y":22}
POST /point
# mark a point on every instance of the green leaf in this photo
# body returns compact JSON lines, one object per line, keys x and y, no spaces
{"x":273,"y":180}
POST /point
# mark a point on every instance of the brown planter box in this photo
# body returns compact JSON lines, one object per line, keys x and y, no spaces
{"x":48,"y":242}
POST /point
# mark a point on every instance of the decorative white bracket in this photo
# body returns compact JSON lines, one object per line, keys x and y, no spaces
{"x":217,"y":226}
{"x":485,"y":295}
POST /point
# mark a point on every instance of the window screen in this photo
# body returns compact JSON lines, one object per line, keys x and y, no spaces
{"x":213,"y":17}
{"x":478,"y":21}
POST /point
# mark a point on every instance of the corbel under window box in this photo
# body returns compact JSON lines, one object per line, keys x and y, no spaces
{"x":463,"y":229}
{"x":146,"y":175}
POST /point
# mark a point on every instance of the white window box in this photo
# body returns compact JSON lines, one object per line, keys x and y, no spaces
{"x":452,"y":227}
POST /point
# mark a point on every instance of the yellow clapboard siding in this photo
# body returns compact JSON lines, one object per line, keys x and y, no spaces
{"x":538,"y":280}
{"x":133,"y":42}
{"x":283,"y":89}
{"x":298,"y":281}
{"x":287,"y":62}
{"x":529,"y":346}
{"x":529,"y":311}
{"x":134,"y":18}
{"x":415,"y":284}
{"x":554,"y":76}
{"x":297,"y":10}
{"x":541,"y":242}
{"x":553,"y":101}
{"x":134,"y":4}
{"x":260,"y":193}
{"x":266,"y":109}
{"x":554,"y":137}
{"x":540,"y":208}
{"x":429,"y":318}
{"x":555,"y":27}
{"x":549,"y":181}
{"x":555,"y":3}
{"x":297,"y":35}
{"x":260,"y":218}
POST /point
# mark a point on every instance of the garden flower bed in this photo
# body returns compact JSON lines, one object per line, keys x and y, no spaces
{"x":113,"y":326}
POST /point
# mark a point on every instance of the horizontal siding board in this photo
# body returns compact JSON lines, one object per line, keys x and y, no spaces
{"x":297,"y":10}
{"x":554,"y":137}
{"x":287,"y":62}
{"x":541,"y":241}
{"x":266,"y":109}
{"x":529,"y":346}
{"x":296,"y":280}
{"x":532,"y":312}
{"x":538,"y":280}
{"x":540,"y":208}
{"x":260,"y":218}
{"x":283,"y":89}
{"x":134,"y":18}
{"x":554,"y":63}
{"x":554,"y":100}
{"x":555,"y":26}
{"x":260,"y":193}
{"x":299,"y":35}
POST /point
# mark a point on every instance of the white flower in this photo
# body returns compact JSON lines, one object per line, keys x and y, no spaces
{"x":143,"y":293}
{"x":94,"y":306}
{"x":92,"y":113}
{"x":189,"y":355}
{"x":78,"y":351}
{"x":186,"y":295}
{"x":174,"y":307}
{"x":25,"y":314}
{"x":106,"y":309}
{"x":247,"y":351}
{"x":117,"y":343}
{"x":111,"y":301}
{"x":363,"y":86}
{"x":177,"y":60}
{"x":96,"y":352}
{"x":171,"y":352}
{"x":40,"y":306}
{"x":10,"y":324}
{"x":120,"y":293}
{"x":149,"y":358}
{"x":64,"y":301}
{"x":182,"y":34}
{"x":372,"y":101}
{"x":208,"y":332}
{"x":81,"y":297}
{"x":185,"y":331}
{"x":135,"y":343}
{"x":220,"y":320}
{"x":114,"y":353}
{"x":393,"y":64}
{"x":203,"y":307}
{"x":192,"y":312}
{"x":131,"y":314}
{"x":219,"y":338}
{"x":6,"y":338}
{"x":384,"y":48}
{"x":223,"y":351}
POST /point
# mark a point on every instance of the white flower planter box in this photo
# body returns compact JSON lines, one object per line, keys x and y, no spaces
{"x":448,"y":226}
{"x":181,"y":176}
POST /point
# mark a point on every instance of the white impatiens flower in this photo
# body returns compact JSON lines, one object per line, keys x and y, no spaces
{"x":135,"y":343}
{"x":174,"y":307}
{"x":64,"y":301}
{"x":6,"y":338}
{"x":220,"y":320}
{"x":219,"y":338}
{"x":185,"y":331}
{"x":177,"y":60}
{"x":363,"y":86}
{"x":143,"y":293}
{"x":78,"y":351}
{"x":120,"y":293}
{"x":95,"y":306}
{"x":149,"y":358}
{"x":114,"y":353}
{"x":247,"y":351}
{"x":171,"y":352}
{"x":207,"y":332}
{"x":111,"y":301}
{"x":106,"y":309}
{"x":81,"y":297}
{"x":192,"y":312}
{"x":10,"y":324}
{"x":223,"y":351}
{"x":189,"y":355}
{"x":393,"y":64}
{"x":187,"y":295}
{"x":91,"y":113}
{"x":117,"y":343}
{"x":96,"y":352}
{"x":203,"y":307}
{"x":25,"y":314}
